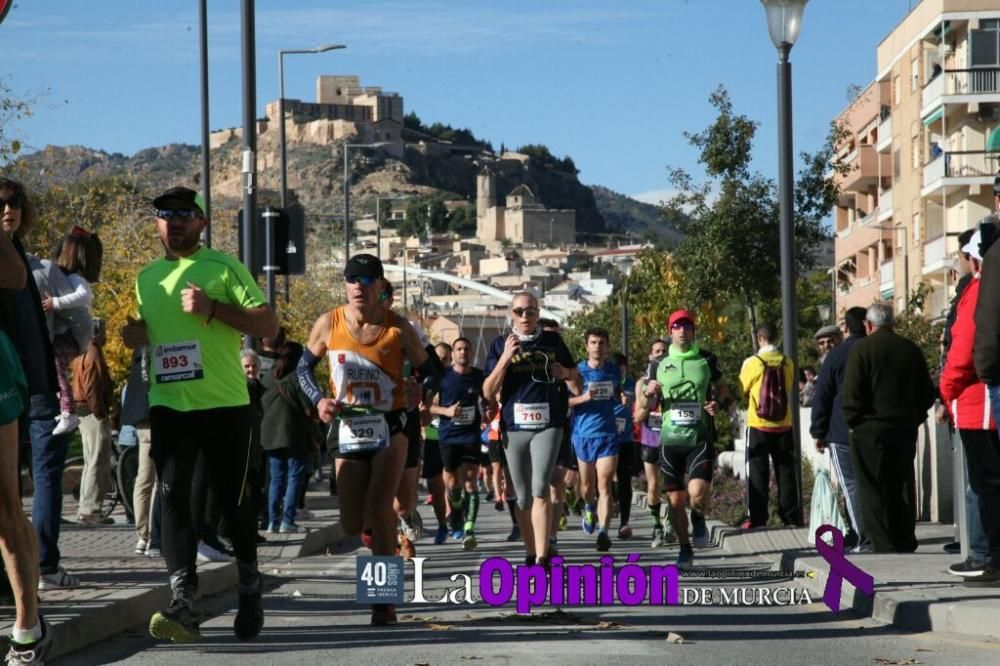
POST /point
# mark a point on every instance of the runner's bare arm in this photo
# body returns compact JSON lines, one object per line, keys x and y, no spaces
{"x":641,"y":412}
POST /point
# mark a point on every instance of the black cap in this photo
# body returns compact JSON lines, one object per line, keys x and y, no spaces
{"x":364,"y":265}
{"x":180,"y":198}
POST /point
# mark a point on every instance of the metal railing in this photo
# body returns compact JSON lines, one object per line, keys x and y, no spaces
{"x":978,"y":80}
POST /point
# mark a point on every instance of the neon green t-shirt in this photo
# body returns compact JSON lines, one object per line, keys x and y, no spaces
{"x":194,"y":366}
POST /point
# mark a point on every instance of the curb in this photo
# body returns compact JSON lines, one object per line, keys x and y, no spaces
{"x":916,"y":610}
{"x":132,"y":607}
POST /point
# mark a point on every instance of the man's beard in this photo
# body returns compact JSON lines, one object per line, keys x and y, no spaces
{"x":185,"y":243}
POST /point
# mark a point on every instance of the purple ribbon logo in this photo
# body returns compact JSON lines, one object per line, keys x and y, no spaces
{"x":840,"y":568}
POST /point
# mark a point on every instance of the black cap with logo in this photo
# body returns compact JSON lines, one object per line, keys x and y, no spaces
{"x":364,"y":265}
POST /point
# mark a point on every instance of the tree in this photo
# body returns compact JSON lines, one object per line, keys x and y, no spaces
{"x":731,"y":222}
{"x":462,"y":220}
{"x":912,"y":323}
{"x":11,"y":111}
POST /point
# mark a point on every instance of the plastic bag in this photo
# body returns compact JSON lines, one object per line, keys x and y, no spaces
{"x":824,"y":510}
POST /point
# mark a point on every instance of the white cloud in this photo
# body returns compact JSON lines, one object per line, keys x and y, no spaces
{"x":655,"y":197}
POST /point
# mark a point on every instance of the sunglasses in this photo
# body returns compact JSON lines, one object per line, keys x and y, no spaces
{"x":525,"y":312}
{"x":682,"y":324}
{"x":184,"y":213}
{"x":14,"y":202}
{"x":363,"y":280}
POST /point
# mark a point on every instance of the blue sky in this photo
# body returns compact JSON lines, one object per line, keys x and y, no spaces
{"x":612,"y":84}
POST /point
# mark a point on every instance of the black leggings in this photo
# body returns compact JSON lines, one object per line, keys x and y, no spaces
{"x":626,"y":468}
{"x":221,"y":439}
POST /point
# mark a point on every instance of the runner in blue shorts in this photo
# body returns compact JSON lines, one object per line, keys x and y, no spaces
{"x":595,"y":434}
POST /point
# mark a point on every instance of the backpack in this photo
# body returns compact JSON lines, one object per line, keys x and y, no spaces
{"x":772,"y":402}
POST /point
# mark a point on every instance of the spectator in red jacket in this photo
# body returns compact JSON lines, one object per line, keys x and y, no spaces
{"x":968,"y":401}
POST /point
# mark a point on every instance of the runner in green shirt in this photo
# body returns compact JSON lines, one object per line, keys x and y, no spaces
{"x":194,"y":305}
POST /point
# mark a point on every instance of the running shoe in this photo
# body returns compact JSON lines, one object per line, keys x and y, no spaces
{"x":489,"y":496}
{"x":406,"y":548}
{"x":441,"y":535}
{"x":515,"y":534}
{"x":140,"y":546}
{"x":589,"y":522}
{"x":498,"y":505}
{"x":603,"y":542}
{"x":273,"y":528}
{"x":289,"y":528}
{"x":430,"y":499}
{"x":699,"y":530}
{"x":178,"y":624}
{"x":469,"y":542}
{"x":685,"y":559}
{"x":153,"y":552}
{"x":207,"y":553}
{"x":657,"y":540}
{"x":413,"y":526}
{"x":366,"y":538}
{"x":570,"y":497}
{"x":31,"y":653}
{"x":971,"y":566}
{"x":383,"y":614}
{"x":625,"y":532}
{"x":563,"y":522}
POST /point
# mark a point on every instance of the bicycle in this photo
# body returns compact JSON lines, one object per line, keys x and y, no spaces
{"x":124,"y":469}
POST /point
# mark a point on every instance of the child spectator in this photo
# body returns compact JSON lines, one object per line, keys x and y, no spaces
{"x":79,"y":258}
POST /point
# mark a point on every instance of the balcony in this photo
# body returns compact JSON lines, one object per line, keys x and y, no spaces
{"x":961,"y":86}
{"x":865,"y":171}
{"x":935,"y":257}
{"x":886,"y":278}
{"x":957,"y":169}
{"x":884,"y":205}
{"x":884,"y":144}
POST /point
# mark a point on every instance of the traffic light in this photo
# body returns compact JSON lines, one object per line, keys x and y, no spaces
{"x":289,"y":240}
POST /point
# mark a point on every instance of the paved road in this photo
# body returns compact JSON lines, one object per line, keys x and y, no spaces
{"x":312,"y":619}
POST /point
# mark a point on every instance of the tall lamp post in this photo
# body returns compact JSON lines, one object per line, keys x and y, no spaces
{"x":347,"y":190}
{"x":206,"y":171}
{"x":281,"y":108}
{"x":784,"y":21}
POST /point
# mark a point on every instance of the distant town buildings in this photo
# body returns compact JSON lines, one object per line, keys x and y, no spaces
{"x":522,"y":220}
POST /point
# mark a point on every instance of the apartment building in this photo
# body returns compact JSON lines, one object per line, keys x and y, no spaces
{"x":863,"y":249}
{"x":938,"y":90}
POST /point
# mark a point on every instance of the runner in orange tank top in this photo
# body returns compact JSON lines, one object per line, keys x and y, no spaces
{"x":366,"y":345}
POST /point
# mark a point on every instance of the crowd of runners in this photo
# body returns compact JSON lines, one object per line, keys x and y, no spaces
{"x":554,"y":441}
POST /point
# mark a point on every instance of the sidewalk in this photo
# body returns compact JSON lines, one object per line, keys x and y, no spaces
{"x":121,"y":589}
{"x":913,"y":591}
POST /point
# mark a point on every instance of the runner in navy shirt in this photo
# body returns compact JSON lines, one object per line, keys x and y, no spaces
{"x":524,"y":368}
{"x":457,"y":405}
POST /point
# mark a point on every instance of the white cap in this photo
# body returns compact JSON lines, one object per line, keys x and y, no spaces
{"x":972,"y":247}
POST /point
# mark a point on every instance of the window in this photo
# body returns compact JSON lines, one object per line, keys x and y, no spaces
{"x":916,"y":228}
{"x":985,"y":44}
{"x":915,"y":152}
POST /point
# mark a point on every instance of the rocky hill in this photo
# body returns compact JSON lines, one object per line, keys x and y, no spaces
{"x":315,"y":179}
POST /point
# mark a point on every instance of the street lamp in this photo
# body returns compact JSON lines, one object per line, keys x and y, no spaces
{"x":784,"y":21}
{"x":281,"y":108}
{"x":347,"y":191}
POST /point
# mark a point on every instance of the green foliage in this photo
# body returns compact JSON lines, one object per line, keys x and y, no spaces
{"x":912,"y":323}
{"x":442,"y":131}
{"x":545,"y":157}
{"x":731,"y":228}
{"x":11,"y":111}
{"x":462,"y":221}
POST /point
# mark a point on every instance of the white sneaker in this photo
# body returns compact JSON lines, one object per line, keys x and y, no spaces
{"x":153,"y":552}
{"x":140,"y":546}
{"x":65,"y":423}
{"x":59,"y":580}
{"x":208,"y":554}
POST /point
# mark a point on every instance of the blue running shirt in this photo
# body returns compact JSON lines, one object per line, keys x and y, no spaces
{"x":530,"y":393}
{"x":464,"y":389}
{"x":596,"y":418}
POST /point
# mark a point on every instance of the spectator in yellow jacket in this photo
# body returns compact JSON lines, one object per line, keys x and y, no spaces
{"x":770,"y":438}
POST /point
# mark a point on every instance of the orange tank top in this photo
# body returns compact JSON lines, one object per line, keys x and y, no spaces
{"x":366,"y":375}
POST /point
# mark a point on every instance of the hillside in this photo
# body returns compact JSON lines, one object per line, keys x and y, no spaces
{"x":315,"y":178}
